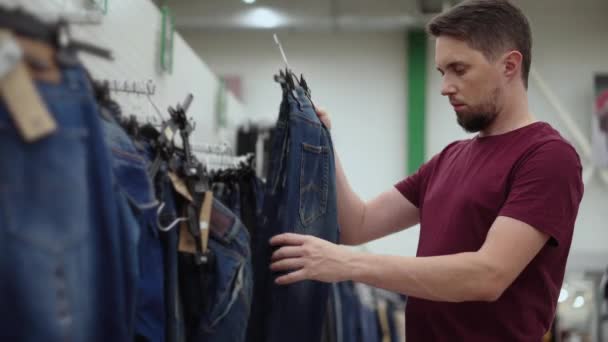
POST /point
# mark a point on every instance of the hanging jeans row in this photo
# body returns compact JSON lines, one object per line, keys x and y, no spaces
{"x":96,"y":217}
{"x":359,"y":313}
{"x":67,"y":234}
{"x":80,"y":210}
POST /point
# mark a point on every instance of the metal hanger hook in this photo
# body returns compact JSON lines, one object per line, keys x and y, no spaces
{"x":172,"y":225}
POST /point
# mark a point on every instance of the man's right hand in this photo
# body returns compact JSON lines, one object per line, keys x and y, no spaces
{"x":323,"y":116}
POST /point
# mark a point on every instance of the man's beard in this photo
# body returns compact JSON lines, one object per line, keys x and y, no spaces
{"x":479,"y":117}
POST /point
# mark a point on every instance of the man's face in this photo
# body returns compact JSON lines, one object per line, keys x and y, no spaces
{"x":471,"y":82}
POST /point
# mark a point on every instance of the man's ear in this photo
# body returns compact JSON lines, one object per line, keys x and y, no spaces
{"x":511,"y":62}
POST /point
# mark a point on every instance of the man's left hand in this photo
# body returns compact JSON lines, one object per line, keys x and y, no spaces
{"x":309,"y":258}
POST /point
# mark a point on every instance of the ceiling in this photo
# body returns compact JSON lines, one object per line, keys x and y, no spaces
{"x":309,"y":15}
{"x":332,"y":15}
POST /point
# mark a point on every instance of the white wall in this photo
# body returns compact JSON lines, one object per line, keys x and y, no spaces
{"x":359,"y":78}
{"x":131,"y":29}
{"x":569,"y":46}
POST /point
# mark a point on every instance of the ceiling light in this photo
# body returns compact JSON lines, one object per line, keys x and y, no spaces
{"x":563,"y":295}
{"x":263,"y":18}
{"x":579,"y":301}
{"x":248,"y":2}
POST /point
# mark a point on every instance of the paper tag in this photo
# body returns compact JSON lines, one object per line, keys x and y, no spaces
{"x":205,"y":218}
{"x":25,"y":105}
{"x":180,"y":186}
{"x":10,"y":52}
{"x":187,"y":243}
{"x":169,"y":133}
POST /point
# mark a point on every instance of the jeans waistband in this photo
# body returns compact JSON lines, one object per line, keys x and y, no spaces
{"x":224,"y":225}
{"x":297,"y":104}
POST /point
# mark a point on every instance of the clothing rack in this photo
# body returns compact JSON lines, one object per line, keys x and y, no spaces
{"x":220,"y":156}
{"x":217,"y":149}
{"x":132,"y":87}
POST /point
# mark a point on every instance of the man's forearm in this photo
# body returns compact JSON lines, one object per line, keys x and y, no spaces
{"x":351,"y":209}
{"x":450,"y":278}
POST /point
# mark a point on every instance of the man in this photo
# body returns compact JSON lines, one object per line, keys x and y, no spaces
{"x":496,"y":212}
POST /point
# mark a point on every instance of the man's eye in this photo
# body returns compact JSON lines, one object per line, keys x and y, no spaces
{"x":460,"y":70}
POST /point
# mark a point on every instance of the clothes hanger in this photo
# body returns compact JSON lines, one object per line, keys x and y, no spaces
{"x":170,"y":226}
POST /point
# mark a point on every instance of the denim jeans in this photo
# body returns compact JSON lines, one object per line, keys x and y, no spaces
{"x":175,"y":329}
{"x":350,"y":311}
{"x":66,"y":271}
{"x":230,"y":281}
{"x":368,"y":319}
{"x":139,"y":213}
{"x":300,"y":197}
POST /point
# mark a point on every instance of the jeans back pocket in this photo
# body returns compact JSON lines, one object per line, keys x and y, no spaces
{"x":227,"y":284}
{"x":314,"y":182}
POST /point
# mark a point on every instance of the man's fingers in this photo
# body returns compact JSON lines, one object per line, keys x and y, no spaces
{"x":321,"y":112}
{"x":291,"y":278}
{"x":287,"y":265}
{"x":287,"y":252}
{"x":288,"y":239}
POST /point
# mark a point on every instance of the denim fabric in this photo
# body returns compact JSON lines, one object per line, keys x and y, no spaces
{"x":369,"y":326}
{"x":173,"y":313}
{"x":230,"y":283}
{"x":251,"y":194}
{"x":336,"y":301}
{"x":350,"y":311}
{"x":230,"y":196}
{"x":392,"y":324}
{"x":300,"y":197}
{"x":329,"y":332}
{"x":67,"y":263}
{"x":138,"y":211}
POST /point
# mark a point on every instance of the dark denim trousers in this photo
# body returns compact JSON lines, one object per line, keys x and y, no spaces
{"x":230,"y":281}
{"x":368,"y":317}
{"x":175,"y":329}
{"x":66,"y":271}
{"x":139,"y":215}
{"x":300,"y":197}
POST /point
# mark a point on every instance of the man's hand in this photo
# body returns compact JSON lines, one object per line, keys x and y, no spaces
{"x":309,"y":258}
{"x":323,"y":116}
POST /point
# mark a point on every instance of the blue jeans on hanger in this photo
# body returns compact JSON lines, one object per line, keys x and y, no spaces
{"x":300,"y":197}
{"x":67,"y":266}
{"x":369,"y":323}
{"x":175,"y":326}
{"x":139,"y":211}
{"x":230,"y":279}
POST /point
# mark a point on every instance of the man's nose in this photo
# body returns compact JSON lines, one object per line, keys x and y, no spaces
{"x":447,"y":88}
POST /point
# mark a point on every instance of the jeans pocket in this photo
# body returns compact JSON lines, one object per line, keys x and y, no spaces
{"x":314,"y":182}
{"x":228,"y":285}
{"x":44,"y":197}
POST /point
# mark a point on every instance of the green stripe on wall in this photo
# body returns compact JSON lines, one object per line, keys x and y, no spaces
{"x":416,"y":85}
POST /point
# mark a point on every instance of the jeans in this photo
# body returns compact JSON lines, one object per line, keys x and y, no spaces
{"x":368,"y":319}
{"x":66,"y":271}
{"x":230,"y":280}
{"x":175,"y":329}
{"x":300,"y":198}
{"x":139,"y":211}
{"x":350,"y":311}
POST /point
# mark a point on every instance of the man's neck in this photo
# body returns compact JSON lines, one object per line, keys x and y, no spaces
{"x":514,"y":114}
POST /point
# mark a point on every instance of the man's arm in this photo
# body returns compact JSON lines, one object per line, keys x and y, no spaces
{"x":361,"y":222}
{"x":475,"y":276}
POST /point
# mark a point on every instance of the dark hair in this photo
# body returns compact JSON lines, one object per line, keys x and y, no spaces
{"x":490,"y":26}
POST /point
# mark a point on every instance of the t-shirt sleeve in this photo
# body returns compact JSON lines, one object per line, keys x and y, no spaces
{"x":413,"y":186}
{"x":546,"y":190}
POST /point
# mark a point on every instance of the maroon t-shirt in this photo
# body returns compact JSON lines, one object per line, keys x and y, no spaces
{"x":530,"y":174}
